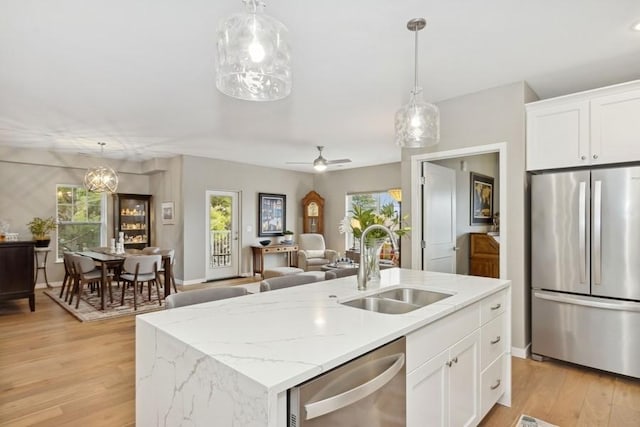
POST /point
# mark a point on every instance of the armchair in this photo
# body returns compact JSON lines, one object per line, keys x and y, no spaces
{"x":312,"y":253}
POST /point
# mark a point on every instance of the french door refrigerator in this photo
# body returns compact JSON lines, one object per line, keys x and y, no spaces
{"x":585,"y":268}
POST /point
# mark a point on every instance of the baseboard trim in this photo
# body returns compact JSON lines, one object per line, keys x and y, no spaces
{"x":190,"y":282}
{"x":522,"y":353}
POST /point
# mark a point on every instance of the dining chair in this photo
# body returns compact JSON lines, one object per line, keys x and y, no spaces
{"x":67,"y":281}
{"x":171,"y":253}
{"x":150,"y":250}
{"x":204,"y":295}
{"x":286,"y":281}
{"x":85,"y":273}
{"x":136,"y":270}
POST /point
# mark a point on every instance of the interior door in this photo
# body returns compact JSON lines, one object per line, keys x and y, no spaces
{"x":439,"y":218}
{"x":222,"y":240}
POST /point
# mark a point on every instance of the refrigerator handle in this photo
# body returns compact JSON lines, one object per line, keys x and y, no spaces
{"x":585,"y":302}
{"x":597,"y":231}
{"x":333,"y":403}
{"x":582,"y":227}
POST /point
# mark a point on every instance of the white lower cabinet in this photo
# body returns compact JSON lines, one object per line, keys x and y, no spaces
{"x":457,"y":367}
{"x":444,"y":390}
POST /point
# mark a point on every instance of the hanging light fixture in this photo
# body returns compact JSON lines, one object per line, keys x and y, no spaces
{"x":418,"y":122}
{"x":254,"y":56}
{"x":101,"y":179}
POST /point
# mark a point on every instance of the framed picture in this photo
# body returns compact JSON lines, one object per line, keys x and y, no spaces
{"x":168,"y":213}
{"x":481,"y":199}
{"x":272,"y":214}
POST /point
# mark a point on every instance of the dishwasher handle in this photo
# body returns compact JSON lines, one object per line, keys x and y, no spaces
{"x":333,"y":403}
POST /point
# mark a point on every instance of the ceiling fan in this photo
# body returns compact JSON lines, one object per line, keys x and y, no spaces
{"x":320,"y":163}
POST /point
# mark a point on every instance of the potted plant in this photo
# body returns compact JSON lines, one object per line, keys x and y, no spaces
{"x":40,"y":228}
{"x":288,"y":236}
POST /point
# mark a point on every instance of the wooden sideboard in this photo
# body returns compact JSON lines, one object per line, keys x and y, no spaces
{"x":16,"y":271}
{"x":260,"y":251}
{"x":484,"y":256}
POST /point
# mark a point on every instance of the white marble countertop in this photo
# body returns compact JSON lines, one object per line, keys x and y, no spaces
{"x":281,"y":338}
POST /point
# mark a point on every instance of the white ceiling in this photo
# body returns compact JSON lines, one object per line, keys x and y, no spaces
{"x":139,"y":74}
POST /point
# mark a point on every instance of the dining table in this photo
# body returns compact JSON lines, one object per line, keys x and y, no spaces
{"x":108,"y":260}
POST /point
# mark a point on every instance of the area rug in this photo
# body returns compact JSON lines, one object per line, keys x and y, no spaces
{"x":528,"y":421}
{"x":89,"y":308}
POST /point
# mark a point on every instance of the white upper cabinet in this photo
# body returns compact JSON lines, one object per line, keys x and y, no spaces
{"x":601,"y":126}
{"x":615,"y":128}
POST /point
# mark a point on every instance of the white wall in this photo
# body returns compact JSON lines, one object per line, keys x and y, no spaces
{"x":202,"y":174}
{"x":488,"y":117}
{"x":485,"y":164}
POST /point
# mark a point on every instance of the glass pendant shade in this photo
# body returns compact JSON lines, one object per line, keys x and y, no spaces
{"x":254,"y":56}
{"x":101,"y":179}
{"x":417,"y":123}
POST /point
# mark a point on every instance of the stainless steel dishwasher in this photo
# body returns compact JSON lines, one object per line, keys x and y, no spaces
{"x":367,"y":391}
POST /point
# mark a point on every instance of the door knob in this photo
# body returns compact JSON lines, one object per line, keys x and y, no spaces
{"x":456,"y":248}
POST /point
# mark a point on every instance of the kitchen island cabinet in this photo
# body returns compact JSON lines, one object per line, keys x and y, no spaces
{"x":231,"y":362}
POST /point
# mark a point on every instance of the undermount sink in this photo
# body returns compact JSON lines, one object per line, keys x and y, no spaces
{"x":397,"y":301}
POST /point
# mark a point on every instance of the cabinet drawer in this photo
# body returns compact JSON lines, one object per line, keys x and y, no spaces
{"x":492,"y":385}
{"x":430,"y":340}
{"x":493,"y":306}
{"x":492,"y":340}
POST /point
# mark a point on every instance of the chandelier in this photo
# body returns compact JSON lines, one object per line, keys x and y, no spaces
{"x":418,"y":122}
{"x":254,"y":56}
{"x":101,"y":179}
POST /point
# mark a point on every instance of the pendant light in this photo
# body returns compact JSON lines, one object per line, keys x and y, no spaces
{"x":101,"y":179}
{"x":254,"y":56}
{"x":418,"y":122}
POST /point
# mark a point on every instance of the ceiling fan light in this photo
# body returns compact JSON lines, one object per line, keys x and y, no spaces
{"x":417,"y":124}
{"x":254,"y":56}
{"x":320,"y":164}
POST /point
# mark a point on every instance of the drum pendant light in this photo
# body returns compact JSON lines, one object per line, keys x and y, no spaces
{"x":254,"y":56}
{"x":417,"y":123}
{"x":101,"y":179}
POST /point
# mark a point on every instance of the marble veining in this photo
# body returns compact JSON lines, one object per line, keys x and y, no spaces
{"x":226,"y":363}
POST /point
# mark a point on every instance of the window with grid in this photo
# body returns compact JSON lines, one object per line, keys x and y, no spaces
{"x":82,"y":219}
{"x":375,"y":201}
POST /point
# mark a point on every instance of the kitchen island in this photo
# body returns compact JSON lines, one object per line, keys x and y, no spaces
{"x":231,"y":362}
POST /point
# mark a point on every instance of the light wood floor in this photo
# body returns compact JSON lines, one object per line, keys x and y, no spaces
{"x":56,"y":371}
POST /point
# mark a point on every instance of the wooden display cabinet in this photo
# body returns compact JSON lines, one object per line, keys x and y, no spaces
{"x":132,"y":216}
{"x":484,"y":256}
{"x":313,"y":213}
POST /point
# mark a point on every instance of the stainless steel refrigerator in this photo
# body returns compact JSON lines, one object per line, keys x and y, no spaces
{"x":585,"y":268}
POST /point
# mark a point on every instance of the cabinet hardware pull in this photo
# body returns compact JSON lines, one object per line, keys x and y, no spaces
{"x":595,"y":156}
{"x":583,"y":157}
{"x":493,"y":387}
{"x":497,"y":306}
{"x":449,"y":363}
{"x":496,"y":341}
{"x":455,"y":359}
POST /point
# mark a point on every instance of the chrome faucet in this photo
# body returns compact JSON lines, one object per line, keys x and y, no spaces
{"x":362,"y":268}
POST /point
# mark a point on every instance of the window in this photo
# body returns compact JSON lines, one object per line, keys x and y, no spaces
{"x":373,"y":201}
{"x":82,"y":220}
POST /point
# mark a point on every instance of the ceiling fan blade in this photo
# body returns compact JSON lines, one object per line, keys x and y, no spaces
{"x":298,"y":163}
{"x":335,"y":162}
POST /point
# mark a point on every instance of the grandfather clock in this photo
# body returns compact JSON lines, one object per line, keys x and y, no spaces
{"x":313,"y":213}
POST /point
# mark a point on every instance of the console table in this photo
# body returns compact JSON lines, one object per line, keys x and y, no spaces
{"x":17,"y":271}
{"x":260,"y":251}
